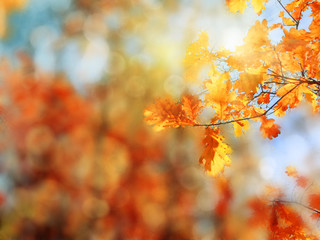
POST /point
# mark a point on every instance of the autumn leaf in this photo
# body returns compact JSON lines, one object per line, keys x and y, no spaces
{"x":268,"y":128}
{"x":288,"y":21}
{"x":197,"y":57}
{"x":241,"y":5}
{"x":295,"y":41}
{"x":215,"y":156}
{"x":292,"y":95}
{"x":289,"y":223}
{"x":291,"y":171}
{"x":236,"y":5}
{"x":302,"y":181}
{"x":258,"y":5}
{"x":240,"y":127}
{"x":311,"y":97}
{"x":250,"y":79}
{"x":166,"y":113}
{"x":314,"y":202}
{"x":264,"y":98}
{"x":258,"y":35}
{"x":220,"y":94}
{"x":260,"y":212}
{"x":192,"y":106}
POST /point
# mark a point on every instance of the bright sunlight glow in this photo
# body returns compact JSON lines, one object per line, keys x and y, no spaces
{"x":232,"y":38}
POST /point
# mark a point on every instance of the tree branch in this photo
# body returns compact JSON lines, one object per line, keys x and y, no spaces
{"x":247,"y":118}
{"x":296,"y":21}
{"x":297,"y":203}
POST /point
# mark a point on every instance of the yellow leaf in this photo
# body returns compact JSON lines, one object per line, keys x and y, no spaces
{"x":258,"y":35}
{"x":197,"y":57}
{"x":250,"y":79}
{"x":292,"y":95}
{"x":288,"y":21}
{"x":166,"y":113}
{"x":285,"y":89}
{"x":215,"y":156}
{"x":236,"y":5}
{"x":311,"y":97}
{"x":258,"y":5}
{"x":291,"y":171}
{"x":220,"y":94}
{"x":239,"y":127}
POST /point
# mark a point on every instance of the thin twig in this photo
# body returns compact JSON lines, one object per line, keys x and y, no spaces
{"x":247,"y":118}
{"x":287,"y":12}
{"x":297,"y":203}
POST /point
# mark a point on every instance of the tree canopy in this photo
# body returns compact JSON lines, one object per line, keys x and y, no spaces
{"x":261,"y":80}
{"x":81,"y":83}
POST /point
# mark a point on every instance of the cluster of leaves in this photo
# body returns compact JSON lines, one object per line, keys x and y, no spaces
{"x":282,"y":218}
{"x":256,"y":80}
{"x":75,"y":175}
{"x":82,"y":164}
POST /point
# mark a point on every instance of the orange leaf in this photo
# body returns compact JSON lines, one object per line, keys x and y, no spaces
{"x":288,"y":21}
{"x":220,"y":94}
{"x":191,"y":106}
{"x":314,"y":202}
{"x":166,"y":113}
{"x":215,"y":156}
{"x":291,"y":171}
{"x":258,"y":35}
{"x":269,"y":128}
{"x":264,"y":98}
{"x":302,"y":181}
{"x":250,"y":79}
{"x":260,"y":212}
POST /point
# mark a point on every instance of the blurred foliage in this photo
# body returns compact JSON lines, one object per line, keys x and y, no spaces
{"x":77,"y":160}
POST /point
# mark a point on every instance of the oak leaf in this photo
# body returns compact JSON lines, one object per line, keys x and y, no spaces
{"x":258,"y":35}
{"x":268,"y":128}
{"x":215,"y":156}
{"x":197,"y":57}
{"x":166,"y":113}
{"x":239,"y":127}
{"x":192,"y":106}
{"x":236,"y":5}
{"x":250,"y":79}
{"x":220,"y":94}
{"x":292,"y":95}
{"x":258,"y":5}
